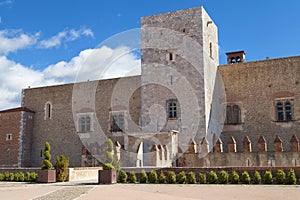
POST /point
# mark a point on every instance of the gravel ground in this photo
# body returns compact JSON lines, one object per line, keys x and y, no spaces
{"x":67,"y":193}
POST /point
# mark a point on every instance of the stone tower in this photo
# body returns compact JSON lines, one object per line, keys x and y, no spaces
{"x":179,"y":70}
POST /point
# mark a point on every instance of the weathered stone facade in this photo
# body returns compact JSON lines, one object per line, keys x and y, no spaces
{"x":177,"y":108}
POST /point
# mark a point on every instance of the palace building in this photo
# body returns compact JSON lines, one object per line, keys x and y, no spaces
{"x":183,"y":110}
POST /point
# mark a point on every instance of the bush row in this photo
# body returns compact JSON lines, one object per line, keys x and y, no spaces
{"x":19,"y":177}
{"x":223,"y":177}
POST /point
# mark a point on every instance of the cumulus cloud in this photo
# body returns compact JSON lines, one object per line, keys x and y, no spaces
{"x":65,"y":36}
{"x":13,"y":40}
{"x":90,"y":64}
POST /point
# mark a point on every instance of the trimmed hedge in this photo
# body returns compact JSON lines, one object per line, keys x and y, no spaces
{"x":19,"y":176}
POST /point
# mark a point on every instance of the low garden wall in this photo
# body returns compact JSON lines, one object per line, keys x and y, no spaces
{"x":83,"y":173}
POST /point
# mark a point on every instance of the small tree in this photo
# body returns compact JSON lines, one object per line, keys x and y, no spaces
{"x":280,"y":177}
{"x":171,"y":177}
{"x":161,"y":177}
{"x":246,"y":178}
{"x":191,"y":178}
{"x":202,"y":178}
{"x":110,"y":157}
{"x":61,"y":167}
{"x":181,"y":178}
{"x":132,"y":177}
{"x":153,"y":176}
{"x":235,"y":178}
{"x":47,"y":157}
{"x":223,"y":177}
{"x":256,"y":178}
{"x":212,"y":177}
{"x":291,"y":177}
{"x":122,"y":176}
{"x":268,"y":177}
{"x":143,"y":177}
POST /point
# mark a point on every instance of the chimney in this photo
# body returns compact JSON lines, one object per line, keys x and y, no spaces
{"x":236,"y":57}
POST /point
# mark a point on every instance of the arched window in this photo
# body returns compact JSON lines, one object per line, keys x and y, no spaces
{"x":48,"y":110}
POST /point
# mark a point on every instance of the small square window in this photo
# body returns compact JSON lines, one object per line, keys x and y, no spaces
{"x":9,"y":136}
{"x":170,"y":56}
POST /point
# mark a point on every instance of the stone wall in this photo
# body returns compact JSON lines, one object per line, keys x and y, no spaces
{"x":61,"y":129}
{"x":255,"y":86}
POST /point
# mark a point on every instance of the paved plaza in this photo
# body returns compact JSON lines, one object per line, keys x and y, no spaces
{"x":91,"y":190}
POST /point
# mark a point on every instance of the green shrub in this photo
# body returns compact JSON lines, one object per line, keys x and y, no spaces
{"x":108,"y":166}
{"x":202,"y":178}
{"x":143,"y":177}
{"x":22,"y":177}
{"x":132,"y":177}
{"x":47,"y":157}
{"x":171,"y":177}
{"x":11,"y":176}
{"x":61,"y":167}
{"x":1,"y":177}
{"x":161,"y":177}
{"x":256,"y":178}
{"x":234,"y":178}
{"x":17,"y":177}
{"x":280,"y":177}
{"x":245,"y":178}
{"x":181,"y":178}
{"x":6,"y":176}
{"x":28,"y":177}
{"x":122,"y":176}
{"x":291,"y":177}
{"x":153,"y":176}
{"x":191,"y":178}
{"x":212,"y":177}
{"x":268,"y":177}
{"x":33,"y":177}
{"x":223,"y":177}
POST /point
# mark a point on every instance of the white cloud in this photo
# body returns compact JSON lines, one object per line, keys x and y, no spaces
{"x":90,"y":64}
{"x":13,"y":40}
{"x":6,"y":2}
{"x":65,"y":36}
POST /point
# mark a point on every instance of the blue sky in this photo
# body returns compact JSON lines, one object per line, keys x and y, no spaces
{"x":43,"y":42}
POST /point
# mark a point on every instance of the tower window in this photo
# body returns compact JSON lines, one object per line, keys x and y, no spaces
{"x":210,"y":50}
{"x":172,"y":109}
{"x":283,"y":110}
{"x":233,"y":114}
{"x":8,"y":136}
{"x":170,"y":56}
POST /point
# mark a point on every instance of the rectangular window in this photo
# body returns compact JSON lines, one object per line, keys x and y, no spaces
{"x":232,"y":114}
{"x":8,"y":136}
{"x":84,"y":124}
{"x":284,"y":110}
{"x":117,"y":122}
{"x":172,"y":109}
